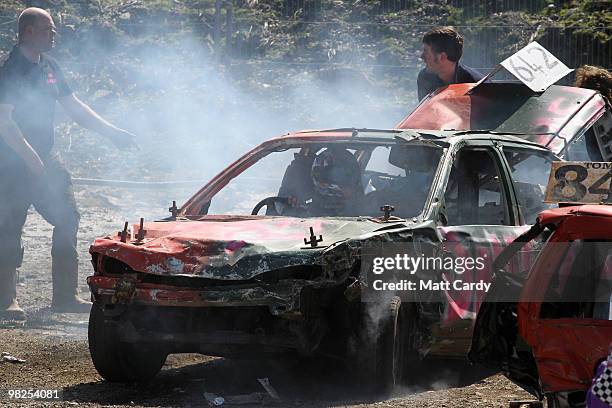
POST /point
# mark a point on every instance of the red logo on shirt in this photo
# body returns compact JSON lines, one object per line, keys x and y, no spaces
{"x":50,"y":78}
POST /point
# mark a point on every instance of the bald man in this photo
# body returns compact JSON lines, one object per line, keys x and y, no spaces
{"x":30,"y":84}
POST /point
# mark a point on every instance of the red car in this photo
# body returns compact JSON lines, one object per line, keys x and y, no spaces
{"x":222,"y":277}
{"x":552,"y":340}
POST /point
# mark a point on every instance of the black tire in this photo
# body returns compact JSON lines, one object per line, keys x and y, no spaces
{"x":413,"y":367}
{"x":381,"y":363}
{"x":117,"y":361}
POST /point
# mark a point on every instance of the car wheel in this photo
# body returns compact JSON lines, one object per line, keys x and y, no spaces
{"x":412,"y":369}
{"x":118,"y":361}
{"x":382,"y":362}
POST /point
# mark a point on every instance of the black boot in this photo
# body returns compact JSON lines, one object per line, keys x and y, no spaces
{"x":65,"y":294}
{"x":70,"y":304}
{"x":9,"y":308}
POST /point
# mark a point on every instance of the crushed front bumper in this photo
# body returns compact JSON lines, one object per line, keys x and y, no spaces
{"x":280,"y":298}
{"x":221,"y":320}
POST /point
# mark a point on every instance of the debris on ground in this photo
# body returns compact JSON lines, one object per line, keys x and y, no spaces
{"x":6,"y":357}
{"x":213,"y":399}
{"x":265,"y":383}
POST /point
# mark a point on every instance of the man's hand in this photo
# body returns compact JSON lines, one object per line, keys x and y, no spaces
{"x":295,"y":202}
{"x":88,"y":118}
{"x":122,"y":139}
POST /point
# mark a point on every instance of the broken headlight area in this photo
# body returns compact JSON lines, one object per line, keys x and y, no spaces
{"x":108,"y":266}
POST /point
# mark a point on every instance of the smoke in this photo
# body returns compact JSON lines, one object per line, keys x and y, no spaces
{"x":194,"y":114}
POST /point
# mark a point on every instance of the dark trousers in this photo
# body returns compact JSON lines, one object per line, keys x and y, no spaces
{"x":53,"y":198}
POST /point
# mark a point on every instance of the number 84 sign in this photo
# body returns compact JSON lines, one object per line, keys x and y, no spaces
{"x":580,"y":182}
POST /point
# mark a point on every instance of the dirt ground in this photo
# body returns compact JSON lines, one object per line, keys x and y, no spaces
{"x":55,"y":350}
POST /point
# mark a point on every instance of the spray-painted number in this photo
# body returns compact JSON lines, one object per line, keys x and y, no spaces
{"x":534,"y":66}
{"x":527,"y":70}
{"x":595,"y":188}
{"x":524,"y":73}
{"x":569,"y":184}
{"x":549,"y":65}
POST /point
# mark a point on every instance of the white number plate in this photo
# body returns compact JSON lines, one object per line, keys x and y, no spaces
{"x":534,"y":66}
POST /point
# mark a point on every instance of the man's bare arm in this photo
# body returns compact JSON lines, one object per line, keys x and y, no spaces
{"x":82,"y":114}
{"x":12,"y":136}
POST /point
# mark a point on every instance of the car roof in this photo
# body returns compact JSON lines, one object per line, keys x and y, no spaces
{"x":350,"y":135}
{"x":556,"y":215}
{"x":509,"y":107}
{"x":501,"y":106}
{"x":366,"y":134}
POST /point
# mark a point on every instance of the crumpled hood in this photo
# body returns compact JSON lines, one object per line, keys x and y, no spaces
{"x":226,"y":247}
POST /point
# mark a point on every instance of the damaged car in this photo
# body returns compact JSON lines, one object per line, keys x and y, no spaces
{"x":552,"y":339}
{"x":267,"y":257}
{"x":548,"y":328}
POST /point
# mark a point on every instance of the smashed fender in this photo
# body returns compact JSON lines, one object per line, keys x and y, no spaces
{"x":228,"y":248}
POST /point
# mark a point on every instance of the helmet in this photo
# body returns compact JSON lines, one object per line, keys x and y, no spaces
{"x":336,"y":173}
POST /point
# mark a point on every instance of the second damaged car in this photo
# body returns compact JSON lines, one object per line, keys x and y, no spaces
{"x":267,"y":257}
{"x":548,"y":330}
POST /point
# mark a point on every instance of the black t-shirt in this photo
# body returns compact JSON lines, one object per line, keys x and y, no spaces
{"x":33,"y":90}
{"x":428,"y":82}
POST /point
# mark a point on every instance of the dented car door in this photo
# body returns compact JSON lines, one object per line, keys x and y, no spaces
{"x":480,"y":217}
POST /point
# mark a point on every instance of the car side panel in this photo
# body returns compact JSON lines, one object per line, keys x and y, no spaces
{"x":569,"y":350}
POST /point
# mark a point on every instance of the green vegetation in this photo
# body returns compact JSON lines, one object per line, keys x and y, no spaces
{"x":378,"y":32}
{"x":178,"y":61}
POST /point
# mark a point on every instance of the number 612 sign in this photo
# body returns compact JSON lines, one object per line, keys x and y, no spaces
{"x":580,"y":182}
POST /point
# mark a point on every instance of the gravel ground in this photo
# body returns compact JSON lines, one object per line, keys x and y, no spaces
{"x":57,"y":357}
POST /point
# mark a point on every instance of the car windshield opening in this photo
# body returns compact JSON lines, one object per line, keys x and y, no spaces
{"x":334,"y":180}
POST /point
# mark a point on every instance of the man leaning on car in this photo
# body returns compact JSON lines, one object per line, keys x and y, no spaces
{"x":442,"y":50}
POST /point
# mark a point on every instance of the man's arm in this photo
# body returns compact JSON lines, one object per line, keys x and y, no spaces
{"x":12,"y":136}
{"x":82,"y":114}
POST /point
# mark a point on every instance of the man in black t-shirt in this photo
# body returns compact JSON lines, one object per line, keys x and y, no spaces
{"x":30,"y":84}
{"x":442,"y":49}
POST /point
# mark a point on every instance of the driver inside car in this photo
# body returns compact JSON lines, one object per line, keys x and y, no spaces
{"x":336,"y":187}
{"x":336,"y":177}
